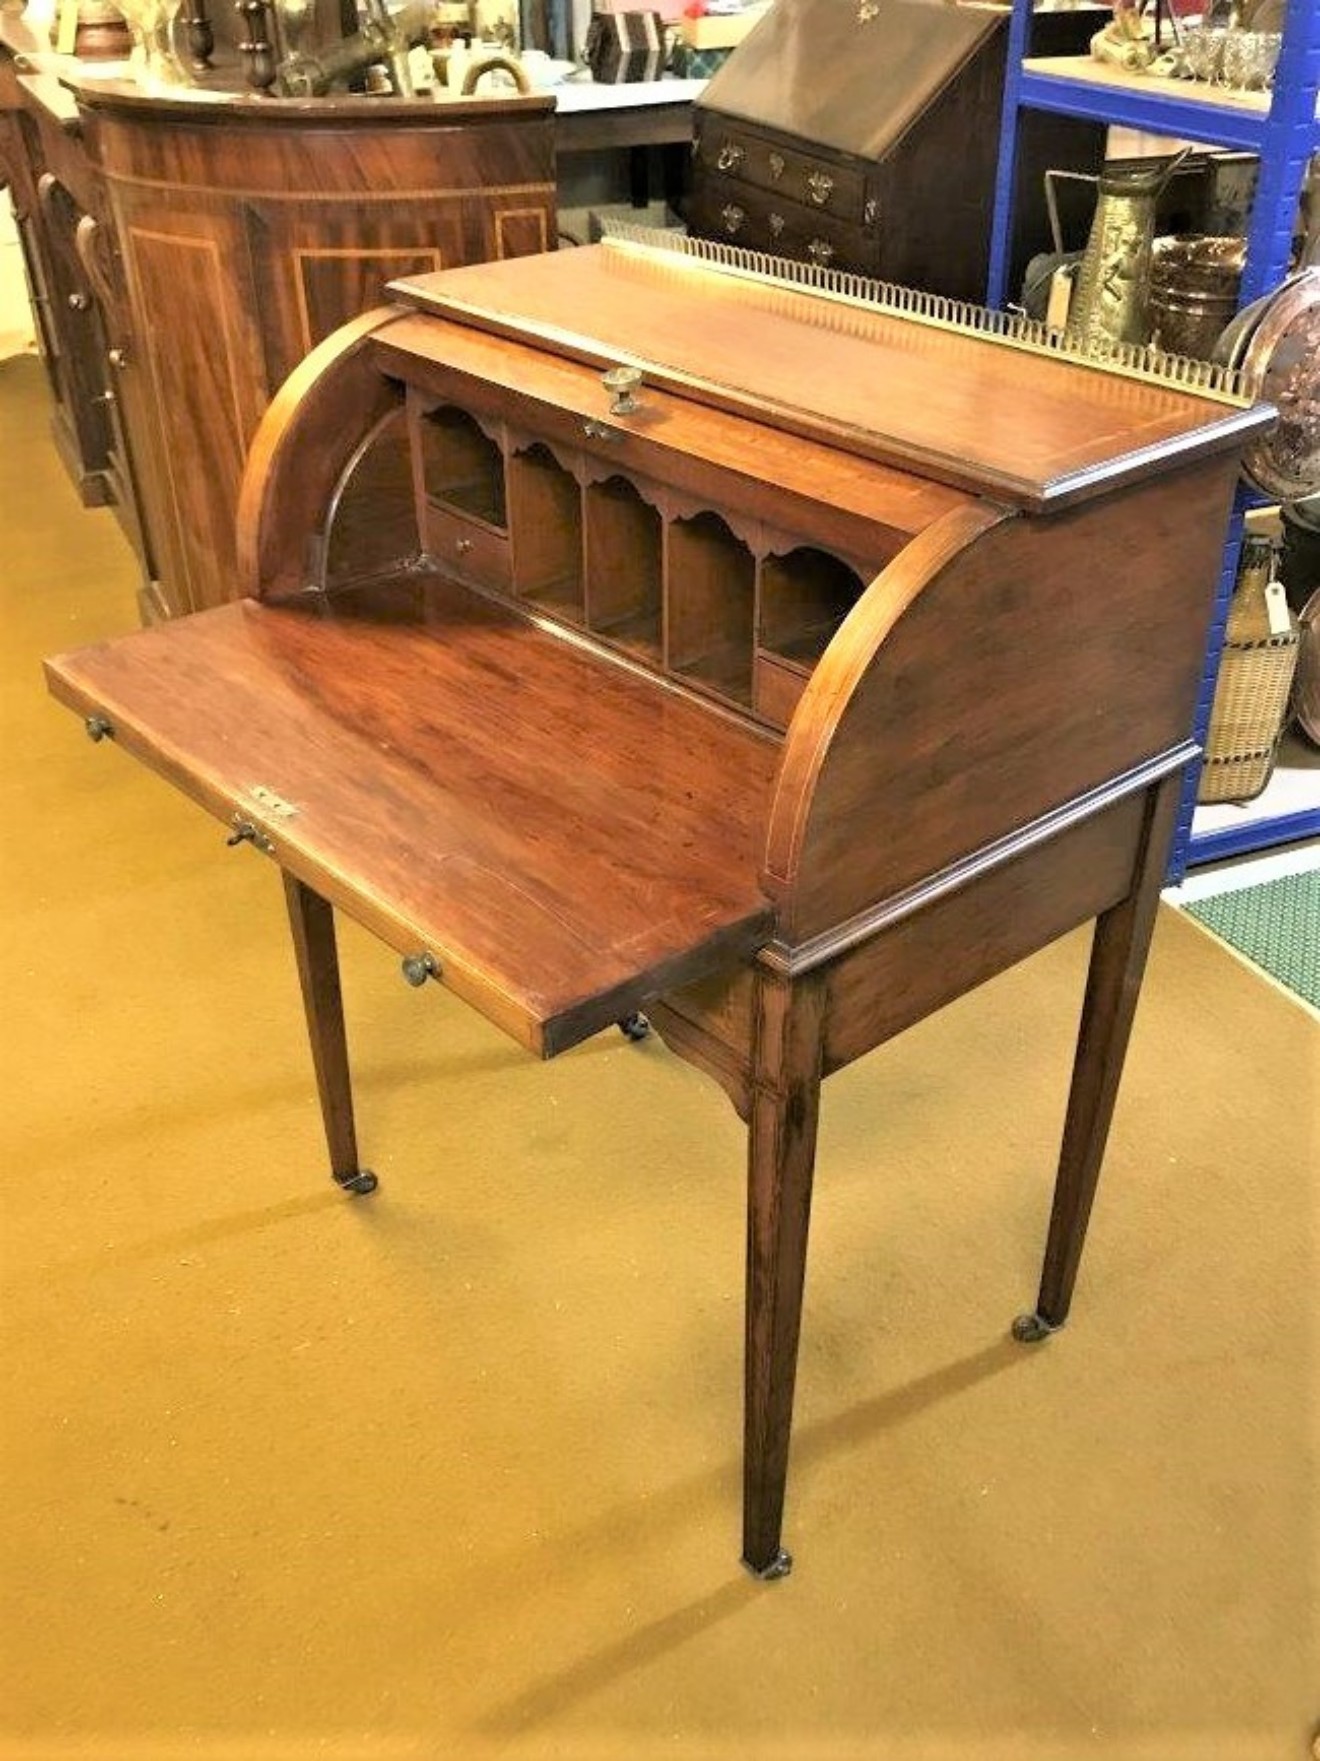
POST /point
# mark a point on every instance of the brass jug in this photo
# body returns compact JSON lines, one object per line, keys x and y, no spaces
{"x":1113,"y":284}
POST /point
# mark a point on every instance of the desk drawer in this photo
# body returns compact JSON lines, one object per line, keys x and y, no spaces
{"x":466,"y":548}
{"x":777,"y":687}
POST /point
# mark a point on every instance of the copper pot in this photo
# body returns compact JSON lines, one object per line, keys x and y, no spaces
{"x":1194,"y":289}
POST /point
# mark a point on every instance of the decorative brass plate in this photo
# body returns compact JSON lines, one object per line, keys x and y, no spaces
{"x":1282,"y":365}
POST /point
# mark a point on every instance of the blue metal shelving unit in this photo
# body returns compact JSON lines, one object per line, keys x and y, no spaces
{"x":1284,"y":132}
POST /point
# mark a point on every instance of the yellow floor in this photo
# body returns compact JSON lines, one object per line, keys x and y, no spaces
{"x":453,"y":1471}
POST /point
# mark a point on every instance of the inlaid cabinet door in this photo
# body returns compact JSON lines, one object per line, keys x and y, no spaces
{"x":205,"y":376}
{"x":314,"y":267}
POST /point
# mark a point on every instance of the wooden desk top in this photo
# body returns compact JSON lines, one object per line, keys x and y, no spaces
{"x":563,"y":833}
{"x":1036,"y":432}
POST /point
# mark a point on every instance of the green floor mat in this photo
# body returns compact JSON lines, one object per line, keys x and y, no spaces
{"x":1277,"y":925}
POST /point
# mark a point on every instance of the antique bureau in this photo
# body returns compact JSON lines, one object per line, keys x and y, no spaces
{"x":787,"y":695}
{"x":862,"y":135}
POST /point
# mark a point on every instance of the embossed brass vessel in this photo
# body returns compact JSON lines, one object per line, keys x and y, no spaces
{"x":1113,"y":283}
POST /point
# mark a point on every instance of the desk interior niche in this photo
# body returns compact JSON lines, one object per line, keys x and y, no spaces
{"x":739,"y":614}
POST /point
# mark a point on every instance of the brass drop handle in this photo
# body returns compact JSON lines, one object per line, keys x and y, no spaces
{"x":98,"y":729}
{"x":820,"y":186}
{"x":417,"y":968}
{"x":622,"y":383}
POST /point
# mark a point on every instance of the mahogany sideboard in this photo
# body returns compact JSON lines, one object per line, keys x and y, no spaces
{"x":184,"y":253}
{"x":844,"y":663}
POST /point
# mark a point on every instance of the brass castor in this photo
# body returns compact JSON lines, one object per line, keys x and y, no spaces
{"x":1031,"y":1329}
{"x":779,"y":1567}
{"x":635,"y":1026}
{"x":363,"y":1181}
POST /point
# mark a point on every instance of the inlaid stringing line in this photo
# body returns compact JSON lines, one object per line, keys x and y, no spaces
{"x":855,"y":301}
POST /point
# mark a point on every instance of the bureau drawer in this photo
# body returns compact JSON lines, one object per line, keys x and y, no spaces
{"x":821,"y":182}
{"x":759,"y":221}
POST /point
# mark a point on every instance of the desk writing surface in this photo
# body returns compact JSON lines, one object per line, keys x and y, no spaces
{"x":565,"y":835}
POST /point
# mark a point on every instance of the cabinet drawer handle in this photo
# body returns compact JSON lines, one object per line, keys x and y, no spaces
{"x":776,"y":224}
{"x":417,"y":968}
{"x":462,"y":545}
{"x":730,"y":157}
{"x":820,"y":187}
{"x":820,"y":251}
{"x":733,"y":217}
{"x":776,"y":167}
{"x":594,"y":430}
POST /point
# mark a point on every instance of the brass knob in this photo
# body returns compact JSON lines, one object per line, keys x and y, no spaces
{"x":98,"y":729}
{"x":79,"y":302}
{"x":118,"y":359}
{"x":417,"y":968}
{"x":621,"y":383}
{"x":462,"y":545}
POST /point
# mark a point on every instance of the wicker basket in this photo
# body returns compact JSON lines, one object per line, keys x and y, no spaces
{"x":1249,"y":715}
{"x":1250,"y":709}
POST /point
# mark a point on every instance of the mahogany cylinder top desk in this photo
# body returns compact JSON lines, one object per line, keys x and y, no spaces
{"x":778,"y":655}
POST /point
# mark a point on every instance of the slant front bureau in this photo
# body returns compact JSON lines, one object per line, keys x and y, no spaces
{"x":786,"y":695}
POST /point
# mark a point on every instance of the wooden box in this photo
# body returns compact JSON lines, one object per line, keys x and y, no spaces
{"x":623,"y":47}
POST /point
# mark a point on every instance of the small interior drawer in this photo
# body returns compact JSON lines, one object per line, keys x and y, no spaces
{"x":466,"y":548}
{"x":777,"y":686}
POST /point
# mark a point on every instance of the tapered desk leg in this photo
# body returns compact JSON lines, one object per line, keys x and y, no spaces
{"x":1113,"y":984}
{"x":313,"y":924}
{"x":781,"y":1157}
